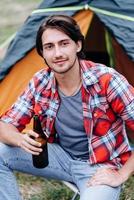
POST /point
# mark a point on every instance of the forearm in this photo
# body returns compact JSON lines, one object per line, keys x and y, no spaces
{"x":9,"y":134}
{"x":128,"y":168}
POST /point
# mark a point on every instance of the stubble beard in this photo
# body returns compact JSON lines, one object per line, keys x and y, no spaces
{"x":62,"y":72}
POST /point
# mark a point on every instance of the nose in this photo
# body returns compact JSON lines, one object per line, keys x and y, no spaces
{"x":58,"y":52}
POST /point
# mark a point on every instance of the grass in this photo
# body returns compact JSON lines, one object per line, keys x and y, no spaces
{"x":36,"y":188}
{"x":128,"y":190}
{"x":13,"y":14}
{"x":7,"y":32}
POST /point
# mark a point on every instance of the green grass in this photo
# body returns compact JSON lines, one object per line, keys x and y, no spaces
{"x":7,"y":32}
{"x":128,"y":190}
{"x":36,"y":188}
{"x":28,"y":1}
{"x":13,"y":14}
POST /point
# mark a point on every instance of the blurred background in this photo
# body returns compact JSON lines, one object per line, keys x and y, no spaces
{"x":13,"y":13}
{"x":12,"y":16}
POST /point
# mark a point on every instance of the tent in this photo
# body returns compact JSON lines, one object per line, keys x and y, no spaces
{"x":107,"y":25}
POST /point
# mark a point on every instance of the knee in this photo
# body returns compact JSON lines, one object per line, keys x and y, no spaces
{"x":4,"y":151}
{"x":101,"y":192}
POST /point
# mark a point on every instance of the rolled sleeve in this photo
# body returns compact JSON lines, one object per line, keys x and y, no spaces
{"x":21,"y":111}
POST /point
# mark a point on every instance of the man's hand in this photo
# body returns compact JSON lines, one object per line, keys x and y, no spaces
{"x":106,"y":176}
{"x":29,"y":143}
{"x":9,"y":134}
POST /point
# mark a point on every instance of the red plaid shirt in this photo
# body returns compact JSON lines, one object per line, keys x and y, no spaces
{"x":108,"y":102}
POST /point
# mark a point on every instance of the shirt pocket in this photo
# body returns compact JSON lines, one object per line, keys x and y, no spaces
{"x":101,"y":122}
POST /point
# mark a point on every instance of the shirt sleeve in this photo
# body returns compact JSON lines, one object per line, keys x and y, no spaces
{"x":120,"y":95}
{"x":21,"y":111}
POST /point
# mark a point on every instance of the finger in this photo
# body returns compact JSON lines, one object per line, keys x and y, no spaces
{"x":98,"y":180}
{"x":32,"y":133}
{"x":30,"y":147}
{"x":29,"y":151}
{"x":31,"y":141}
{"x":96,"y":183}
{"x":101,"y":171}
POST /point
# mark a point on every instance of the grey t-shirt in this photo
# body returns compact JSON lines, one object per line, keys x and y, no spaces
{"x":70,"y":128}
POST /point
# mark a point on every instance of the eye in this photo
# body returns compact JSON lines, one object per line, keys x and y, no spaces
{"x":65,"y":43}
{"x":48,"y":47}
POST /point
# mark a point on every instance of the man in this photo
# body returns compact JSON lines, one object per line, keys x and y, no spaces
{"x":82,"y":107}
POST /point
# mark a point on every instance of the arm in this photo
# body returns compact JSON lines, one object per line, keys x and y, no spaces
{"x":10,"y":135}
{"x":128,"y":168}
{"x":113,"y":177}
{"x":15,"y":120}
{"x":120,"y":95}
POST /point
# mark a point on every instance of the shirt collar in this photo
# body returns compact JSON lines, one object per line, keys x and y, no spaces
{"x":89,"y":76}
{"x":87,"y":73}
{"x":52,"y":82}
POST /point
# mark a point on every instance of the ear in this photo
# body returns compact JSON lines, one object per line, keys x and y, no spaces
{"x":79,"y":46}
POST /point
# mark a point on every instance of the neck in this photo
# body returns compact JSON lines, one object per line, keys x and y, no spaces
{"x":69,"y":82}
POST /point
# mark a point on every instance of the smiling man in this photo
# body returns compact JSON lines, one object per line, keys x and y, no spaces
{"x":83,"y":107}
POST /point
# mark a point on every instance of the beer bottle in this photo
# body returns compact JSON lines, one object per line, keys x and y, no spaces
{"x":41,"y":160}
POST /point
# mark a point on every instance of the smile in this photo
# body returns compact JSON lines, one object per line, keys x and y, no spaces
{"x":59,"y":61}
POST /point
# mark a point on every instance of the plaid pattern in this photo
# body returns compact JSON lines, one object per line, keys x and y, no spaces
{"x":108,"y":102}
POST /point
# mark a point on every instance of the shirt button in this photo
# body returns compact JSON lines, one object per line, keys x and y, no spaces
{"x":95,"y":114}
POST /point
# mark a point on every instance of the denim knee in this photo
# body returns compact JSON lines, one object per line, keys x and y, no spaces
{"x":101,"y":192}
{"x":4,"y":152}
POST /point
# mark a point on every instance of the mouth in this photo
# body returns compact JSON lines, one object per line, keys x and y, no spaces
{"x":59,"y":62}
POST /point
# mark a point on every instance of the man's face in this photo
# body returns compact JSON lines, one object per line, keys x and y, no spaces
{"x":59,"y":50}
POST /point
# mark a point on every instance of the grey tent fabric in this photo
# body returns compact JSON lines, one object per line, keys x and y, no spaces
{"x":121,"y":29}
{"x":115,"y":6}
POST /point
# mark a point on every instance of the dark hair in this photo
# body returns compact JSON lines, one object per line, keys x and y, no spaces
{"x":62,"y":23}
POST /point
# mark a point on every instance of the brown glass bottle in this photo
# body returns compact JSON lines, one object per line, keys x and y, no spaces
{"x":41,"y":160}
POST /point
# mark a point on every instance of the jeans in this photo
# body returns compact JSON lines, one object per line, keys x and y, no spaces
{"x":61,"y":167}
